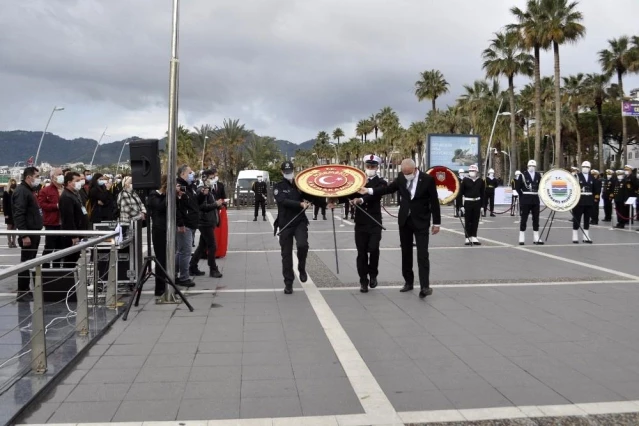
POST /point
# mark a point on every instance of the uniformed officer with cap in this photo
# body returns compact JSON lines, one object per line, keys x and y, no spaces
{"x":608,"y":186}
{"x":291,"y":202}
{"x":491,"y":182}
{"x":624,"y":188}
{"x":459,"y":200}
{"x":473,"y":190}
{"x":528,"y":187}
{"x":596,"y":191}
{"x":585,"y":205}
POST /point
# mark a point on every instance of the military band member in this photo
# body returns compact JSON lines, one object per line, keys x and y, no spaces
{"x":514,"y":201}
{"x":260,"y":189}
{"x":586,"y":204}
{"x":472,"y":189}
{"x":489,"y":198}
{"x":608,"y":185}
{"x":527,"y":187}
{"x":459,"y":202}
{"x":624,"y":188}
{"x":596,"y":190}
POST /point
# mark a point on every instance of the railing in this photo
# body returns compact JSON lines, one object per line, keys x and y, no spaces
{"x":29,"y":336}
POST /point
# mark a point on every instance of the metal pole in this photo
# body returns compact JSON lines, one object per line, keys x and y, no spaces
{"x":82,"y":305}
{"x":169,"y":295}
{"x":112,"y":282}
{"x":97,"y":145}
{"x":38,"y":332}
{"x":121,"y":151}
{"x":203,"y":152}
{"x":492,"y":131}
{"x":55,"y":108}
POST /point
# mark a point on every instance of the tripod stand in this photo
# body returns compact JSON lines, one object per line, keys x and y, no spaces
{"x":551,"y":218}
{"x":147,"y":272}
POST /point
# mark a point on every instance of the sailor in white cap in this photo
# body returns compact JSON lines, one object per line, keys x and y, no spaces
{"x":491,"y":182}
{"x":597,"y":185}
{"x":527,"y":187}
{"x":473,"y":190}
{"x":586,"y":203}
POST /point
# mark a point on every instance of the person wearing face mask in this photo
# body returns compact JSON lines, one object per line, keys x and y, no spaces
{"x":608,"y":196}
{"x":48,"y":199}
{"x":624,"y":188}
{"x":73,"y":215}
{"x":291,"y":202}
{"x":473,"y":190}
{"x":419,"y":203}
{"x":259,"y":188}
{"x":596,"y":191}
{"x":491,"y":182}
{"x":585,"y":205}
{"x":222,"y":230}
{"x":27,"y":216}
{"x":129,"y":203}
{"x":187,"y":220}
{"x":459,"y":200}
{"x":514,"y":201}
{"x":84,"y":192}
{"x":527,"y":187}
{"x":8,"y":212}
{"x":101,"y":205}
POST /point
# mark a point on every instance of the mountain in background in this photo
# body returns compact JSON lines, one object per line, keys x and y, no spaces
{"x":19,"y":145}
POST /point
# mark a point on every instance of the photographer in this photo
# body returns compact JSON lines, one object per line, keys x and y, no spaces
{"x":209,"y":220}
{"x":187,"y":219}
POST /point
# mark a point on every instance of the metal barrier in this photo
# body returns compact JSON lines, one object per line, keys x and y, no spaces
{"x":32,"y":326}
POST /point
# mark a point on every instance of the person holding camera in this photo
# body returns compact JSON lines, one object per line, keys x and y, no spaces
{"x":187,"y":218}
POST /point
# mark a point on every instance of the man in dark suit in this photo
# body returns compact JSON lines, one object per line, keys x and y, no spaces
{"x":418,"y":203}
{"x":586,"y":204}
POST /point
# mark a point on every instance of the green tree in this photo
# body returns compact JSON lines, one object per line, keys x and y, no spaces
{"x":338,"y":133}
{"x":595,"y":92}
{"x":574,"y":93}
{"x":431,"y":85}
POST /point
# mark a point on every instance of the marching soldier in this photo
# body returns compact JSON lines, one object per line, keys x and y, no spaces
{"x":608,"y":196}
{"x":596,"y":190}
{"x":260,"y":189}
{"x":489,"y":197}
{"x":514,"y":201}
{"x":459,"y":199}
{"x":473,"y":190}
{"x":586,"y":204}
{"x":527,"y":187}
{"x":291,"y":219}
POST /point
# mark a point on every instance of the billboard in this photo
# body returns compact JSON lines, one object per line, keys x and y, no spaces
{"x":453,"y":151}
{"x":630,"y":108}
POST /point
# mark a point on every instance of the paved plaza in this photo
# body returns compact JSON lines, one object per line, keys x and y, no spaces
{"x":533,"y":334}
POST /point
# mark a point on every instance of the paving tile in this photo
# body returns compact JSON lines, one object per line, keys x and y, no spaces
{"x":134,"y":349}
{"x":124,"y":362}
{"x":405,"y":383}
{"x":145,"y":411}
{"x":98,"y":392}
{"x":220,"y":389}
{"x":267,"y":358}
{"x":484,"y":397}
{"x":509,"y":378}
{"x":106,"y":375}
{"x":268,"y":388}
{"x":183,"y":360}
{"x":58,"y":394}
{"x":184,"y":348}
{"x":532,"y":395}
{"x":318,"y":370}
{"x":155,"y":375}
{"x":73,"y":377}
{"x":202,"y":360}
{"x":420,"y":401}
{"x":155,"y":391}
{"x":217,"y":408}
{"x":267,"y":372}
{"x":85,"y":412}
{"x":221,"y":347}
{"x":270,"y":407}
{"x":38,"y":413}
{"x":213,"y":373}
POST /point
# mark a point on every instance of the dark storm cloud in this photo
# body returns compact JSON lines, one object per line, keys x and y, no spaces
{"x":284,"y":67}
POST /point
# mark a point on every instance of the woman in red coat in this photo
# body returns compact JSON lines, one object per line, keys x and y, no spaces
{"x":222,"y":230}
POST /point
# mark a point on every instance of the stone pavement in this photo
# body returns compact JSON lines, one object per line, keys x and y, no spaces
{"x":519,"y":333}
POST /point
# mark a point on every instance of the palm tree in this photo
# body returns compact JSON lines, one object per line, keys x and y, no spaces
{"x":574,"y":91}
{"x":387,"y":119}
{"x":416,"y":136}
{"x":321,"y":142}
{"x":505,"y":57}
{"x":530,"y":26}
{"x":228,"y":143}
{"x":362,"y":129}
{"x":431,"y":85}
{"x":596,"y":86}
{"x":618,"y":58}
{"x":563,"y":26}
{"x":338,"y":133}
{"x":374,"y":123}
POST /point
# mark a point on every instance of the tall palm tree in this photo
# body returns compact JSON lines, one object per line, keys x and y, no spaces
{"x":504,"y":57}
{"x":387,"y":119}
{"x":574,"y":92}
{"x":374,"y":123}
{"x":338,"y":133}
{"x":362,"y":129}
{"x":596,"y":87}
{"x":618,"y":58}
{"x":416,"y":136}
{"x":431,"y":85}
{"x":563,"y":26}
{"x":530,"y":26}
{"x":321,"y":144}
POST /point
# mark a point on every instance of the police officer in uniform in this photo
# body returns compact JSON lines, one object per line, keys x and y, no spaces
{"x":489,"y":197}
{"x":459,"y":201}
{"x":596,"y":191}
{"x":368,"y":234}
{"x":260,"y":189}
{"x":527,"y":187}
{"x":291,"y":202}
{"x":473,"y":190}
{"x":624,"y":188}
{"x":586,"y":204}
{"x":514,"y":201}
{"x":608,"y":185}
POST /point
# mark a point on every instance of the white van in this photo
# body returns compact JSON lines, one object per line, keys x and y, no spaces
{"x":245,"y":180}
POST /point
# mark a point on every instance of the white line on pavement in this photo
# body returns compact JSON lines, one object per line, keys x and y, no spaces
{"x":470,"y":285}
{"x":481,"y":238}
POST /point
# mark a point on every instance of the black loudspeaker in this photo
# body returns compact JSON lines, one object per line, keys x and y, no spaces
{"x":145,"y":164}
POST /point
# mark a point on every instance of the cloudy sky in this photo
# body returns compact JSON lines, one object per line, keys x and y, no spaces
{"x":286,"y":68}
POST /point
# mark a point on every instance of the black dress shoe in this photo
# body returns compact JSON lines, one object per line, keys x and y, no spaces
{"x":324,"y":217}
{"x":215,"y":274}
{"x":373,"y":282}
{"x":185,"y":283}
{"x":363,"y":287}
{"x":255,"y":219}
{"x":493,"y":215}
{"x":407,"y":287}
{"x":425,"y":292}
{"x":314,"y":217}
{"x":303,"y":276}
{"x":264,"y":218}
{"x":288,"y":288}
{"x":194,"y":272}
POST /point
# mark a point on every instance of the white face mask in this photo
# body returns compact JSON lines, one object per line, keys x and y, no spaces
{"x":289,"y":176}
{"x":627,"y":172}
{"x":472,"y":174}
{"x":491,"y":175}
{"x":36,"y":182}
{"x":531,"y":169}
{"x":585,"y":170}
{"x":410,"y":177}
{"x":608,"y":176}
{"x":101,"y":182}
{"x":59,"y":179}
{"x":211,"y":182}
{"x":118,"y":180}
{"x":78,"y":185}
{"x":215,"y":179}
{"x":371,"y":172}
{"x":259,"y":179}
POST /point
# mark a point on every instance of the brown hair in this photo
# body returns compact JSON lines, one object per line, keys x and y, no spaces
{"x":163,"y":183}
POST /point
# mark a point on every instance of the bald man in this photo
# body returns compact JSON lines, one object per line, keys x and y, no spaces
{"x":48,"y":199}
{"x":419,"y":202}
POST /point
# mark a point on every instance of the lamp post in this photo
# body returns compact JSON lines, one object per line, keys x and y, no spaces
{"x":55,"y":108}
{"x":552,"y":145}
{"x":97,"y":145}
{"x":336,"y":154}
{"x":121,"y":151}
{"x":204,"y":151}
{"x":492,"y":131}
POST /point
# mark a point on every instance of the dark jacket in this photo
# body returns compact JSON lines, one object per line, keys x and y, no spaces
{"x":597,"y":185}
{"x":188,"y":212}
{"x":424,"y":205}
{"x":209,"y":216}
{"x":371,"y":204}
{"x":473,"y":189}
{"x":6,"y":204}
{"x":26,"y":211}
{"x":105,"y":212}
{"x":156,"y":207}
{"x":623,"y":189}
{"x":71,"y":214}
{"x":491,"y":184}
{"x":260,"y":189}
{"x":528,"y":188}
{"x":219,"y":192}
{"x":84,"y":194}
{"x":288,"y":199}
{"x":587,"y":185}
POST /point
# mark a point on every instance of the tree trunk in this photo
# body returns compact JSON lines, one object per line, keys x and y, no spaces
{"x":558,"y":153}
{"x":537,"y":105}
{"x":623,"y":157}
{"x":546,"y":158}
{"x":514,"y":149}
{"x":578,"y":135}
{"x":433,"y":101}
{"x":600,"y":137}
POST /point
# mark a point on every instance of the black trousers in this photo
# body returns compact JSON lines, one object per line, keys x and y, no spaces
{"x":458,"y":205}
{"x":514,"y":206}
{"x":27,"y":253}
{"x":594,"y":214}
{"x":623,"y":212}
{"x":367,"y":243}
{"x":527,"y":209}
{"x":158,"y":236}
{"x":300,"y":233}
{"x":348,"y":207}
{"x":578,"y":212}
{"x":607,"y":209}
{"x":406,"y":234}
{"x":489,"y":201}
{"x":52,"y":243}
{"x":70,"y":261}
{"x":473,"y":212}
{"x":317,"y":208}
{"x":207,"y":242}
{"x":260,"y":201}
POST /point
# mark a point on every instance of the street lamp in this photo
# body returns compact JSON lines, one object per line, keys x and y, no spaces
{"x":204,"y":151}
{"x":492,"y":131}
{"x":336,"y":154}
{"x":121,"y":151}
{"x":97,"y":145}
{"x":55,"y":108}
